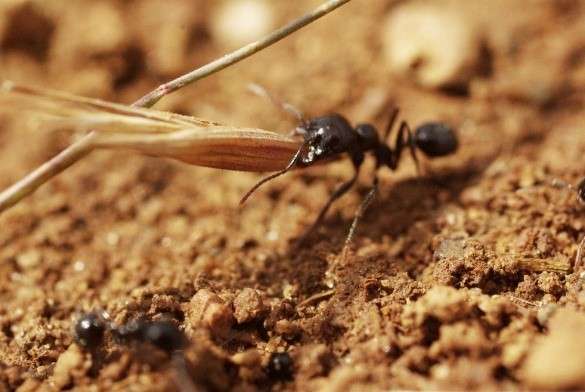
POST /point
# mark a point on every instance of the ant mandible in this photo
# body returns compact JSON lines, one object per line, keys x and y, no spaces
{"x":327,"y":137}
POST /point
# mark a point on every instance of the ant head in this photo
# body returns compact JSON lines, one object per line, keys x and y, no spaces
{"x":280,"y":366}
{"x":325,"y":136}
{"x":89,"y":330}
{"x":435,"y":139}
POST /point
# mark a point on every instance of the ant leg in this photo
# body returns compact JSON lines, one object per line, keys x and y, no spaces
{"x":284,"y":106}
{"x":290,"y":165}
{"x":336,"y":195}
{"x":366,"y":202}
{"x":391,"y":122}
{"x":182,"y":377}
{"x":404,"y":131}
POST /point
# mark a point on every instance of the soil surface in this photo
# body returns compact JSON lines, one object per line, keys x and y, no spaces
{"x":463,"y":277}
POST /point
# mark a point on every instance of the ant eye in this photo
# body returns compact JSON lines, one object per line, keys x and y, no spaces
{"x":435,"y":139}
{"x":334,"y":140}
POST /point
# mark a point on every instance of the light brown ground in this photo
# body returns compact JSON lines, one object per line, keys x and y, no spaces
{"x":457,"y":277}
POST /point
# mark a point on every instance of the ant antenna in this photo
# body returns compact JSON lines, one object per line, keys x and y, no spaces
{"x":290,"y":165}
{"x":284,"y":106}
{"x":182,"y":377}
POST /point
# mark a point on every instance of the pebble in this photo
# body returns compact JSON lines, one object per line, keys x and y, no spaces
{"x":239,"y":22}
{"x":248,"y":306}
{"x":66,"y":364}
{"x":437,"y":46}
{"x":206,"y":309}
{"x":556,"y":360}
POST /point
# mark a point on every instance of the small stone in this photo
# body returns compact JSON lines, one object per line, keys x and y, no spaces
{"x":247,"y":358}
{"x":545,"y":313}
{"x":248,"y":306}
{"x":66,"y":364}
{"x":437,"y":46}
{"x":208,"y":310}
{"x":28,"y":260}
{"x":556,"y":360}
{"x":239,"y":22}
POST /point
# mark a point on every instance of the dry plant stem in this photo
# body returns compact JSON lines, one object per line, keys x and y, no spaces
{"x":46,"y":171}
{"x":240,"y":54}
{"x":84,"y":146}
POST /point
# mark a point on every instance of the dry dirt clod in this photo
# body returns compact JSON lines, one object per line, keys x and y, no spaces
{"x":556,"y":360}
{"x":206,"y":309}
{"x":445,"y":304}
{"x":435,"y":45}
{"x":68,"y":362}
{"x":248,"y":306}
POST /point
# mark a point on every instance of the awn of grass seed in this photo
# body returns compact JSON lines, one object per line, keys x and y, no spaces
{"x":85,"y":145}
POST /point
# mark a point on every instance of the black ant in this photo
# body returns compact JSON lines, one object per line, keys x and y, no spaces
{"x":327,"y":137}
{"x":280,"y":366}
{"x":91,"y":328}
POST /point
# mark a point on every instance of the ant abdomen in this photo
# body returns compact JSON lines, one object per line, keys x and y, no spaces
{"x":435,"y":139}
{"x":164,"y":335}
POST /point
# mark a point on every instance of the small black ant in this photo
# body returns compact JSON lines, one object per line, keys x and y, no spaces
{"x":91,"y":328}
{"x":327,"y":137}
{"x":280,"y":366}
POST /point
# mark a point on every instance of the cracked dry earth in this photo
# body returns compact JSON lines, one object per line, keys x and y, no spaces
{"x":461,"y":278}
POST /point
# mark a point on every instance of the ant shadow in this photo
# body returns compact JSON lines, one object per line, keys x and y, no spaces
{"x":402,"y":203}
{"x":395,"y":209}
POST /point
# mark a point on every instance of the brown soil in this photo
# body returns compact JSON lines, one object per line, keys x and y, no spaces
{"x":462,"y":278}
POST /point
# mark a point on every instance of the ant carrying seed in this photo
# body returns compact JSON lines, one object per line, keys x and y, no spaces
{"x":327,"y":137}
{"x":205,"y":143}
